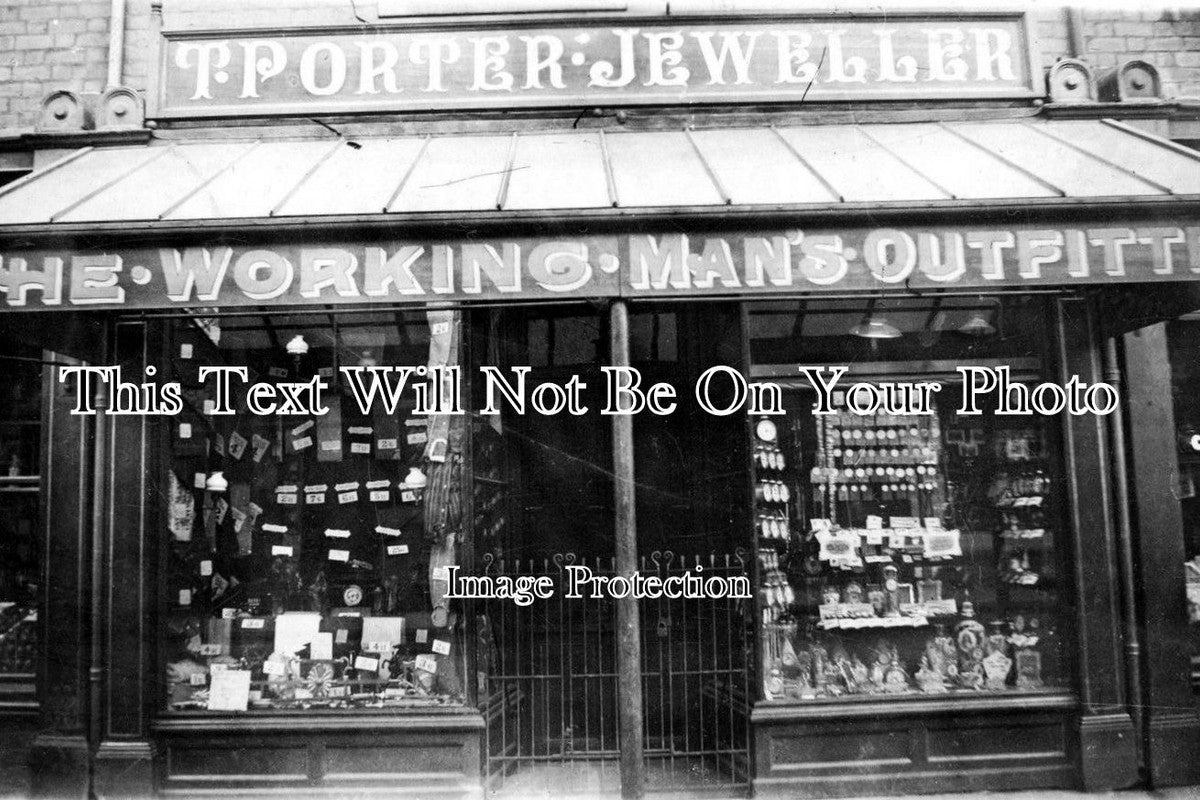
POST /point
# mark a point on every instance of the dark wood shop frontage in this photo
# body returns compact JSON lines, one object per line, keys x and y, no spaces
{"x":245,"y":602}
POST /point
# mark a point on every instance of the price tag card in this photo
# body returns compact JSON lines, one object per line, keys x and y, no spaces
{"x":303,"y":443}
{"x":185,"y":350}
{"x":347,"y":497}
{"x":228,"y":613}
{"x":254,"y":623}
{"x":199,"y":479}
{"x":379,"y":495}
{"x":426,"y":663}
{"x":302,"y":427}
{"x":229,"y":690}
{"x":397,"y":549}
{"x":185,"y":430}
{"x":422,"y":635}
{"x":366,"y":664}
{"x":315,"y":498}
{"x":273,"y":666}
{"x":360,"y":430}
{"x":286,"y":498}
{"x":439,"y":328}
{"x":185,"y":597}
{"x":339,"y":555}
{"x":933,"y":523}
{"x":237,"y":445}
{"x":321,"y":647}
{"x":386,"y":531}
{"x":337,"y":533}
{"x":330,"y":445}
{"x":441,"y":574}
{"x":360,"y":448}
{"x":281,"y":550}
{"x":441,"y":646}
{"x":874,"y":523}
{"x":408,"y":496}
{"x":387,"y":444}
{"x":198,"y":679}
{"x":420,"y":437}
{"x":271,"y":527}
{"x":205,"y":568}
{"x":341,"y":636}
{"x":378,"y":647}
{"x":258,"y":447}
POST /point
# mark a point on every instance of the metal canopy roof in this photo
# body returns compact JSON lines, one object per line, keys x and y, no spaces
{"x":798,"y":167}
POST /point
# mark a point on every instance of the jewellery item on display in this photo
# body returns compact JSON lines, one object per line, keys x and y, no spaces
{"x":352,"y":595}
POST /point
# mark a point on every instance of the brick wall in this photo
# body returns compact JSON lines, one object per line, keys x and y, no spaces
{"x":1170,"y":40}
{"x":62,"y":45}
{"x":46,"y":45}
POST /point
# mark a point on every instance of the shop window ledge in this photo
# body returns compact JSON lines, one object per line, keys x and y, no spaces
{"x":391,"y":719}
{"x":866,"y":706}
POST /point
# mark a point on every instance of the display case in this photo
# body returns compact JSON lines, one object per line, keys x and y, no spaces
{"x":906,"y":555}
{"x":308,"y":555}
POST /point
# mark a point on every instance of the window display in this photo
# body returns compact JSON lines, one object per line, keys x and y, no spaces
{"x":20,"y":536}
{"x":905,"y":554}
{"x":307,"y":559}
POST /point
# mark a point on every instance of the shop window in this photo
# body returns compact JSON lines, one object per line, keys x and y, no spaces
{"x":20,"y":577}
{"x":308,"y":555}
{"x":1184,"y":338}
{"x":902,"y":554}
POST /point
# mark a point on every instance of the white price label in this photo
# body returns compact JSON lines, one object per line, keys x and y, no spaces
{"x":302,"y":427}
{"x":386,"y":531}
{"x":302,"y":443}
{"x":386,"y":444}
{"x":397,"y":549}
{"x":422,"y":635}
{"x":337,"y":533}
{"x":360,"y":448}
{"x":339,"y":555}
{"x":205,"y":568}
{"x":366,"y":664}
{"x":254,"y":624}
{"x":348,"y":497}
{"x":281,"y":550}
{"x":441,"y":646}
{"x":185,"y":597}
{"x":379,"y":495}
{"x":426,"y":663}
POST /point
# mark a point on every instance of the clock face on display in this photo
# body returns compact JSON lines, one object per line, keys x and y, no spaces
{"x":353,"y":595}
{"x":765,"y":430}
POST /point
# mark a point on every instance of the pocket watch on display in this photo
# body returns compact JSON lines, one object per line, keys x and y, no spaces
{"x":765,"y":430}
{"x":353,"y":595}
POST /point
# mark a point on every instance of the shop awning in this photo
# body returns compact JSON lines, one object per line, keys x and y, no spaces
{"x":828,"y":166}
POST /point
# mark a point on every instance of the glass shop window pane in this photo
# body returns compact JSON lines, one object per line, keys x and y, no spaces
{"x":907,"y":554}
{"x":20,"y":564}
{"x":308,"y":553}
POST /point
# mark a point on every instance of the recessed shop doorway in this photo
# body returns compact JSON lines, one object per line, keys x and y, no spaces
{"x":548,"y":676}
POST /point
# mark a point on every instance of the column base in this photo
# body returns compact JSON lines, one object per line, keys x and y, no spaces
{"x":124,"y":769}
{"x":1174,"y":742}
{"x":58,"y":766}
{"x":1107,"y":752}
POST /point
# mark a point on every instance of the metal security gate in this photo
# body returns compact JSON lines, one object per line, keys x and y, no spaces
{"x":551,"y":686}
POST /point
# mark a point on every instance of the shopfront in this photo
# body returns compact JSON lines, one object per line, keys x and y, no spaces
{"x":935,"y":599}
